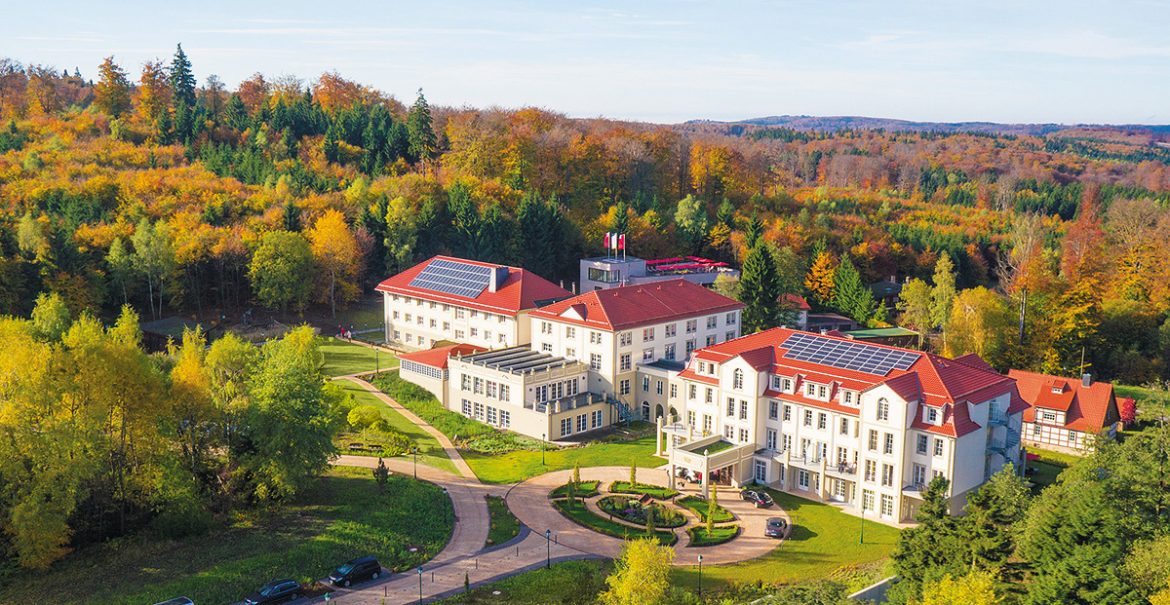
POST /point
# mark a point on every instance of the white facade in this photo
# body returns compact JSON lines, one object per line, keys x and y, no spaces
{"x":414,"y":323}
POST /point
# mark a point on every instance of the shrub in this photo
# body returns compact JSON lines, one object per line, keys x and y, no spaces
{"x":363,"y":416}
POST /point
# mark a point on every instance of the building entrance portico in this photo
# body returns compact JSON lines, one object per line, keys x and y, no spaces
{"x":705,"y":459}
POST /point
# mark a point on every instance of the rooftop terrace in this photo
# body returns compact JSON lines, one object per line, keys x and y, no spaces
{"x":518,"y":360}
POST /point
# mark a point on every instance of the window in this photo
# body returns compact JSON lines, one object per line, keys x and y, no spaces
{"x":787,"y":385}
{"x":446,"y":326}
{"x":938,"y":446}
{"x":478,"y":407}
{"x":919,"y":474}
{"x":625,"y":339}
{"x":571,"y":353}
{"x":691,"y":418}
{"x":844,"y":426}
{"x":690,"y":346}
{"x":459,"y":314}
{"x":491,"y":389}
{"x":770,"y":439}
{"x":743,"y":407}
{"x":776,"y":383}
{"x":808,"y":417}
{"x":491,"y":415}
{"x":866,"y":500}
{"x":822,"y":421}
{"x":1045,"y":416}
{"x":645,"y":384}
{"x":712,"y":321}
{"x":658,"y":387}
{"x":691,"y":392}
{"x":594,"y":337}
{"x":932,"y":415}
{"x":624,"y":362}
{"x":883,"y":409}
{"x":1072,"y":437}
{"x":873,"y":437}
{"x":505,"y":419}
{"x":730,"y":407}
{"x":504,"y":392}
{"x":433,"y":323}
{"x":409,"y":337}
{"x":921,"y":446}
{"x":743,"y":436}
{"x":408,"y":317}
{"x":729,"y":432}
{"x":731,"y":318}
{"x":474,"y":332}
{"x":1035,"y":433}
{"x":566,"y":426}
{"x":624,"y":387}
{"x":773,"y":410}
{"x":595,"y":420}
{"x":466,"y":407}
{"x":730,"y":335}
{"x":737,"y":379}
{"x":810,"y":389}
{"x":802,"y":479}
{"x":670,"y":330}
{"x":595,"y":361}
{"x":710,"y":396}
{"x":546,"y":347}
{"x":459,"y":334}
{"x":647,"y":334}
{"x":396,"y":315}
{"x":887,"y":505}
{"x":648,"y":354}
{"x":478,"y":388}
{"x":887,"y":475}
{"x":870,"y":471}
{"x":474,"y":313}
{"x":570,"y":332}
{"x":787,"y":412}
{"x":582,"y":423}
{"x":888,"y":447}
{"x":669,"y":352}
{"x":692,"y":325}
{"x":674,"y":391}
{"x":821,"y":391}
{"x":706,"y":424}
{"x":710,"y":340}
{"x":786,"y":439}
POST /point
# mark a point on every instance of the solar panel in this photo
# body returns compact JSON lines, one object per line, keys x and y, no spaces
{"x":856,"y":356}
{"x":451,"y":277}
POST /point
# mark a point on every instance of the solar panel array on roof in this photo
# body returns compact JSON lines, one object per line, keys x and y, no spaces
{"x":847,"y":355}
{"x":452,"y":277}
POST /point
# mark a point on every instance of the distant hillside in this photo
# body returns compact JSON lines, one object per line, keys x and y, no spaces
{"x":835,"y":123}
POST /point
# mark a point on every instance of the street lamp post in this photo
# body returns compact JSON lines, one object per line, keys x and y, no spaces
{"x":700,"y":576}
{"x":420,"y":585}
{"x":548,"y":545}
{"x":862,"y":540}
{"x":414,"y":450}
{"x":543,"y":439}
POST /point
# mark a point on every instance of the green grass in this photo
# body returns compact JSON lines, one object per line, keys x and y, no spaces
{"x":1045,"y":470}
{"x":340,"y":516}
{"x":512,"y":467}
{"x":425,"y":406}
{"x":342,"y":358}
{"x":699,"y":506}
{"x":584,"y":517}
{"x":567,"y":583}
{"x":584,"y":489}
{"x":718,"y":535}
{"x":654,"y":491}
{"x":824,"y":541}
{"x":504,"y":525}
{"x":430,"y":451}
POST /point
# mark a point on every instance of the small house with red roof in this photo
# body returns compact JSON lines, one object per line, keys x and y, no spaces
{"x":864,"y":425}
{"x":452,"y":299}
{"x":1066,"y":414}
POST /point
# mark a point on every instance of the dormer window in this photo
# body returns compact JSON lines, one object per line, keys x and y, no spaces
{"x":786,"y":385}
{"x":776,"y":383}
{"x":810,"y":389}
{"x":932,"y":415}
{"x":848,"y":396}
{"x":702,"y":367}
{"x":1056,"y":390}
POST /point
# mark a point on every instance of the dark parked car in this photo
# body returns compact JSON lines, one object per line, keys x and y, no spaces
{"x":177,"y":601}
{"x":357,"y":570}
{"x":276,"y":591}
{"x":775,"y":527}
{"x":760,"y":499}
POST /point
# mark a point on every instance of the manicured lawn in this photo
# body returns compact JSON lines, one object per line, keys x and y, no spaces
{"x":654,"y":491}
{"x":582,"y":516}
{"x":567,"y":583}
{"x":699,"y":506}
{"x":343,"y":358}
{"x":517,"y":466}
{"x":718,"y":535}
{"x":1043,"y":472}
{"x":339,"y":517}
{"x":823,"y":541}
{"x":584,"y":489}
{"x":504,"y":525}
{"x":430,"y":451}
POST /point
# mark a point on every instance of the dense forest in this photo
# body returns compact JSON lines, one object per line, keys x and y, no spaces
{"x":176,"y":197}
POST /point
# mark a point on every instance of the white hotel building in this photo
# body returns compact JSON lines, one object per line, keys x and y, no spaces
{"x":864,"y":425}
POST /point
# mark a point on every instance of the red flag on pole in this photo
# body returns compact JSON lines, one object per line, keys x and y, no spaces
{"x":622,"y":242}
{"x":607,"y":246}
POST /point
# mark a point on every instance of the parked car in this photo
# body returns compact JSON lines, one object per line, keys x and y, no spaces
{"x":775,"y":527}
{"x":760,"y":499}
{"x":177,"y":601}
{"x":276,"y":591}
{"x":357,"y":570}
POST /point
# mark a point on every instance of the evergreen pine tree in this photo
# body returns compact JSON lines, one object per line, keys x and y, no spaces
{"x":420,"y":132}
{"x":182,"y":80}
{"x":759,"y":289}
{"x":292,"y":217}
{"x":330,"y":145}
{"x":850,"y":294}
{"x":753,"y":232}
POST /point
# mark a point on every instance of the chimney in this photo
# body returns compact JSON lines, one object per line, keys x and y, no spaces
{"x":496,"y":278}
{"x":1086,"y":380}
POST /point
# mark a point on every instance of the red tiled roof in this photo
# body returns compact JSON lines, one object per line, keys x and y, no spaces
{"x":1087,"y":409}
{"x":521,"y":290}
{"x":438,"y":356}
{"x":794,"y":301}
{"x":936,"y":380}
{"x":639,"y":305}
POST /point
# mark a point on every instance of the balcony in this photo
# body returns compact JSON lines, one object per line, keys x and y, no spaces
{"x":842,"y":469}
{"x":914,"y":490}
{"x":565,"y":404}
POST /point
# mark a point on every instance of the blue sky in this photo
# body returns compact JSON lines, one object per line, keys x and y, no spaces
{"x":1008,"y":61}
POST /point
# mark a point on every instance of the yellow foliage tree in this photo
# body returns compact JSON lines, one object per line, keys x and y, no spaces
{"x":336,"y":253}
{"x":819,"y":279}
{"x":976,"y":588}
{"x":642,"y":575}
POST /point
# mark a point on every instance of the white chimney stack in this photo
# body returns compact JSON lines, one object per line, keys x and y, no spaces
{"x":497,"y":277}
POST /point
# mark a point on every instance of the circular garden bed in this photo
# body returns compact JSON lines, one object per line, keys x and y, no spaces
{"x":632,"y":510}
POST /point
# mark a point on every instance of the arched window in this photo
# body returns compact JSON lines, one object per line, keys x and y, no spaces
{"x":737,"y":380}
{"x":883,"y":409}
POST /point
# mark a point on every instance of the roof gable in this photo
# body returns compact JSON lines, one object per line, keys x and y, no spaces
{"x":1087,"y":409}
{"x":639,"y":305}
{"x":519,"y":290}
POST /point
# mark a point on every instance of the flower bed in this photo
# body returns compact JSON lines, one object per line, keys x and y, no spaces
{"x":630,"y":510}
{"x":577,"y":513}
{"x":698,"y":506}
{"x":720,"y":534}
{"x":654,"y":491}
{"x":583,"y":489}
